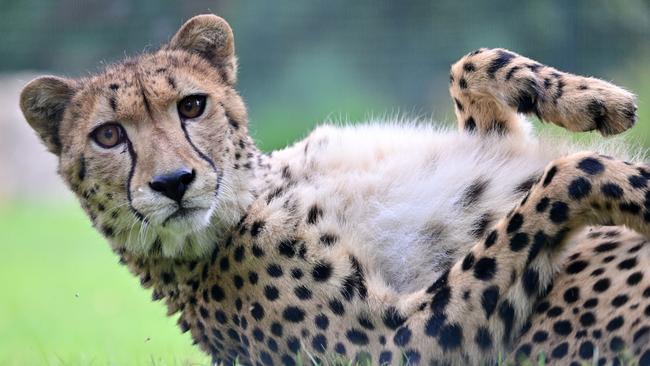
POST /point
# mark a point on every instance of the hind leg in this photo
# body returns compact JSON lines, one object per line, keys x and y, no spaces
{"x":491,"y":87}
{"x":484,"y":301}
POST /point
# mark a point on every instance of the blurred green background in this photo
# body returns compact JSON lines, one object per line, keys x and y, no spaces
{"x":63,"y":298}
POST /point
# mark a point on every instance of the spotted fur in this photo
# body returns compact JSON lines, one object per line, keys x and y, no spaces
{"x":385,"y":243}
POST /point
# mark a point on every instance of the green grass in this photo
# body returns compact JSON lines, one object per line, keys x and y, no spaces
{"x":64,"y":300}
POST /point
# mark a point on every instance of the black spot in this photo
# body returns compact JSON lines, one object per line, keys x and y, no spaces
{"x":337,"y":307}
{"x":606,"y":247}
{"x":481,"y":225}
{"x":526,"y":98}
{"x":450,"y":337}
{"x":462,"y":83}
{"x":239,"y":253}
{"x":559,"y":212}
{"x":489,"y":300}
{"x":319,"y":343}
{"x":296,"y":273}
{"x":638,"y":181}
{"x":441,"y":299}
{"x":576,"y":267}
{"x":512,"y":71}
{"x":519,"y":241}
{"x":252,"y":278}
{"x":549,"y":176}
{"x":274,"y":270}
{"x":287,"y":248}
{"x":276,"y":329}
{"x":634,"y":278}
{"x":591,"y":166}
{"x":238,"y":281}
{"x":491,"y":238}
{"x":540,"y":336}
{"x":469,"y":67}
{"x":224,"y":264}
{"x":256,"y":228}
{"x":483,"y":338}
{"x":112,"y":102}
{"x":217,"y":293}
{"x":458,"y":105}
{"x":628,"y":263}
{"x":630,"y":207}
{"x":560,"y":350}
{"x":587,"y":319}
{"x":392,"y":318}
{"x":81,"y":174}
{"x":503,"y":59}
{"x":468,"y":262}
{"x":293,"y":314}
{"x":402,"y":336}
{"x":293,"y":344}
{"x":171,"y":81}
{"x":523,"y":352}
{"x":302,"y":292}
{"x":271,"y":292}
{"x":366,"y":323}
{"x":572,"y":295}
{"x":526,"y":185}
{"x":434,"y":324}
{"x":470,"y":124}
{"x":579,"y":188}
{"x":257,"y":311}
{"x":620,"y":300}
{"x":530,"y":282}
{"x":507,"y":316}
{"x":358,"y":337}
{"x":473,"y":193}
{"x":114,"y":87}
{"x":602,"y":285}
{"x":412,"y":357}
{"x":321,"y":321}
{"x":257,"y":251}
{"x":328,"y":239}
{"x":515,"y":223}
{"x":542,"y":205}
{"x":616,"y":344}
{"x":615,"y":323}
{"x":322,"y":271}
{"x":611,"y":190}
{"x":485,"y":268}
{"x":385,"y":358}
{"x":315,"y":213}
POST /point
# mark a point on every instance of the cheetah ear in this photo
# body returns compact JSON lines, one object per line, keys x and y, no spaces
{"x":210,"y":37}
{"x":43,"y":102}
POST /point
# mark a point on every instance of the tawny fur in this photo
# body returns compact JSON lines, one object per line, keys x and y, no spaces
{"x":380,"y":241}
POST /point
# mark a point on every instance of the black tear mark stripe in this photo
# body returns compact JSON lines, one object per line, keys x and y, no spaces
{"x":202,"y":156}
{"x":134,"y":160}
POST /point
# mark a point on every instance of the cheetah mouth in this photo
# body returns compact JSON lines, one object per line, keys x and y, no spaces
{"x":186,"y":214}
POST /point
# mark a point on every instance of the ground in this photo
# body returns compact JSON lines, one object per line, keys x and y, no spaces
{"x":65,"y":301}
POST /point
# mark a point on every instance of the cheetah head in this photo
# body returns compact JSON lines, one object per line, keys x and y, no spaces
{"x":148,"y":144}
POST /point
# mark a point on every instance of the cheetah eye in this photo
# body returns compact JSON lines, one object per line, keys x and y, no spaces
{"x":191,"y":106}
{"x":108,"y":135}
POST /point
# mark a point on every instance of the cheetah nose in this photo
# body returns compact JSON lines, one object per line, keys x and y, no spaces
{"x":174,"y":184}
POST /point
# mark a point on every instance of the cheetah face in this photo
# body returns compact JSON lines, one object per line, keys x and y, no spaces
{"x":147,"y":143}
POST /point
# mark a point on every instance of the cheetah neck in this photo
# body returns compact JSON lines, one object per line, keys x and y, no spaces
{"x":176,"y":280}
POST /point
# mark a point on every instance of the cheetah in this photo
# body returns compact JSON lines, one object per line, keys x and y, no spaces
{"x":385,"y":243}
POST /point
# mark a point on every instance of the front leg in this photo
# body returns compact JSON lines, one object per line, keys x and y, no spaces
{"x":491,"y":87}
{"x":484,"y":300}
